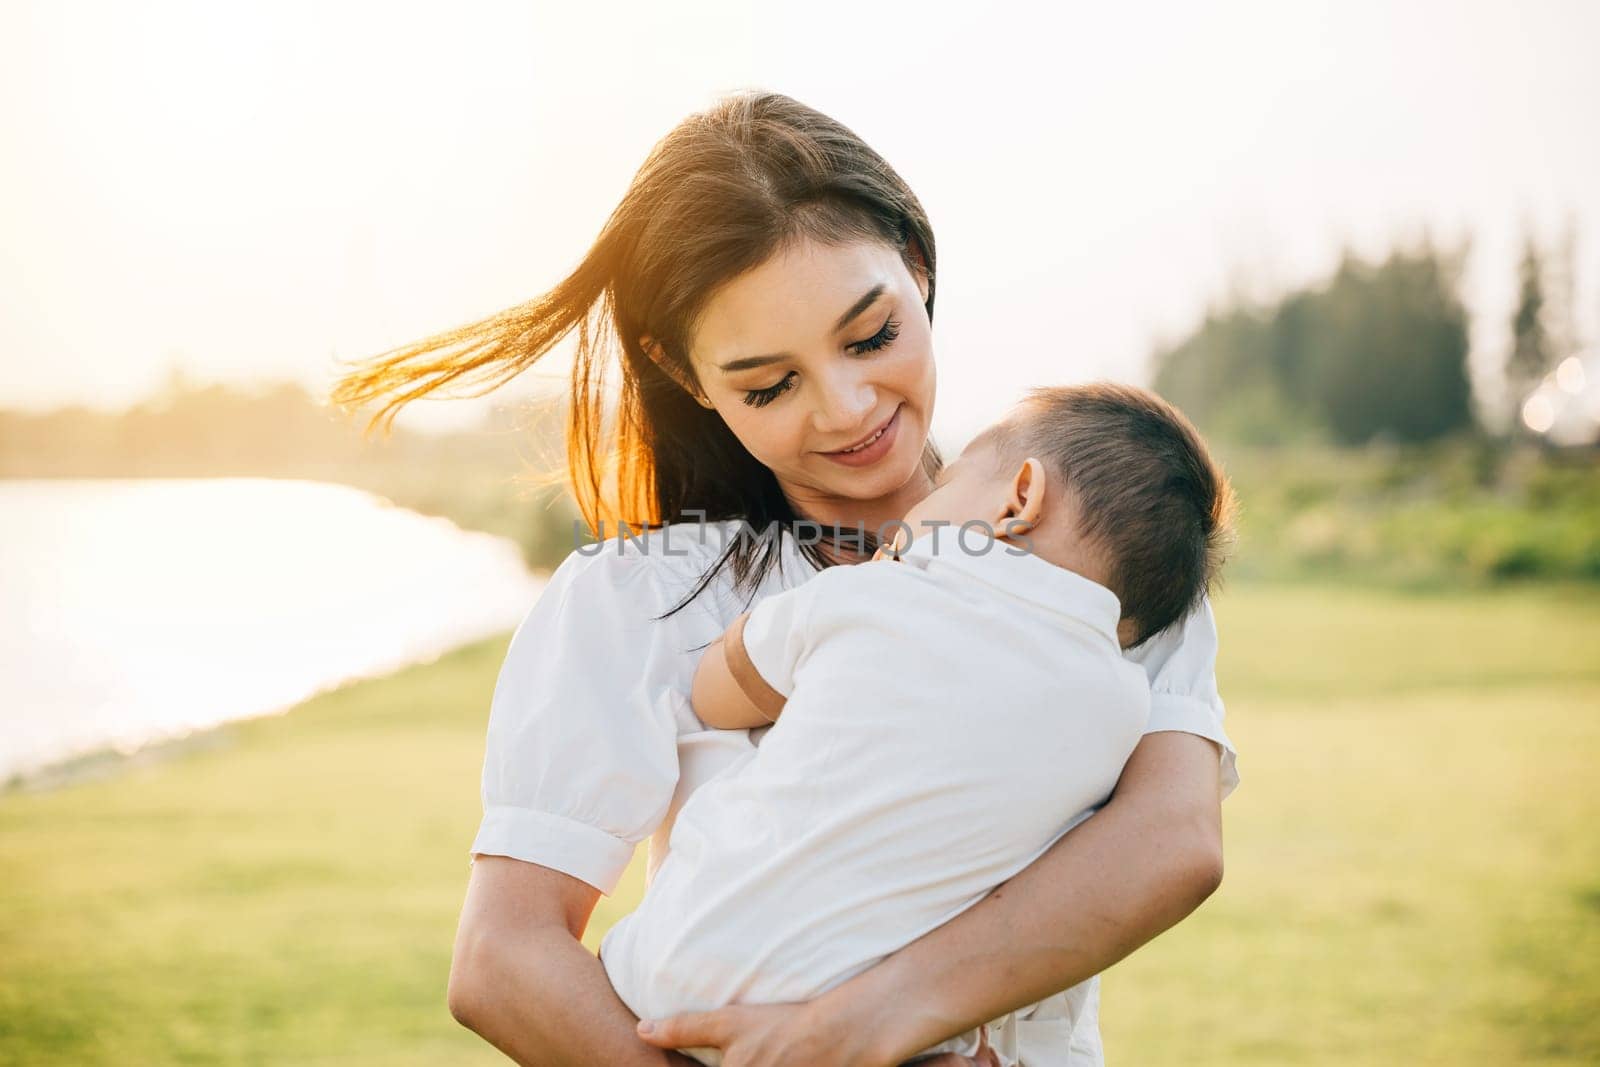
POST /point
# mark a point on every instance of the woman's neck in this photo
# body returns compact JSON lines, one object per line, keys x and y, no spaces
{"x":873,"y":517}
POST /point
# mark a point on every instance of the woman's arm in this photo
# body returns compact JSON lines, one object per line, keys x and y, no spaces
{"x":1132,"y":870}
{"x":1119,"y":878}
{"x":522,"y":979}
{"x":580,"y":765}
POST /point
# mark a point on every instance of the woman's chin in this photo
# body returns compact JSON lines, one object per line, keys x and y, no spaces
{"x":883,"y":479}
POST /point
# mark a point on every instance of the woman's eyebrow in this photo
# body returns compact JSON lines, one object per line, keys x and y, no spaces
{"x":751,"y":362}
{"x":859,"y":306}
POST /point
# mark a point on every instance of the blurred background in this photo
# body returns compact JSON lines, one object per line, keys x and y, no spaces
{"x":1359,"y":243}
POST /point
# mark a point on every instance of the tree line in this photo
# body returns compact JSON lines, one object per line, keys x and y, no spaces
{"x":1378,"y":351}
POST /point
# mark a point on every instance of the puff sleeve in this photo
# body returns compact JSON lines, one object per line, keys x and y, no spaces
{"x":581,"y":760}
{"x":1180,"y":662}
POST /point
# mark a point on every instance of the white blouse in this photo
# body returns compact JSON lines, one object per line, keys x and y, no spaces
{"x":593,"y":745}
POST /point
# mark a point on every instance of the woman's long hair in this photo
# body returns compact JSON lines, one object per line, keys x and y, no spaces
{"x":720,"y":194}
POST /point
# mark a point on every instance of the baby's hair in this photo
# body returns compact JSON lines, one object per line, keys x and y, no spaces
{"x":1151,"y":500}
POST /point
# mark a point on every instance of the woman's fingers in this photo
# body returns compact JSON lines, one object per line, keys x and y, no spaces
{"x":751,"y":1035}
{"x":698,"y":1029}
{"x":772,"y":1035}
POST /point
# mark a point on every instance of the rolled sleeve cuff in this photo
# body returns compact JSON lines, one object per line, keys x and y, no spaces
{"x":1187,"y":714}
{"x":555,"y":841}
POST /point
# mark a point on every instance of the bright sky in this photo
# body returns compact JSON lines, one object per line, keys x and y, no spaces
{"x":247,"y":190}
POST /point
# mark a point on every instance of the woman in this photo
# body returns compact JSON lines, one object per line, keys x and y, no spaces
{"x":769,"y":282}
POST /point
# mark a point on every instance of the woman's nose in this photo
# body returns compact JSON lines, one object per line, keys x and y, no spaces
{"x":847,"y":405}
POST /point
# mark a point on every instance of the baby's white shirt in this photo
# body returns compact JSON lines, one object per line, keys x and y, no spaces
{"x":950,"y":715}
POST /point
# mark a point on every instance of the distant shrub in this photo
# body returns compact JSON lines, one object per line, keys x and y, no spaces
{"x":1426,"y":515}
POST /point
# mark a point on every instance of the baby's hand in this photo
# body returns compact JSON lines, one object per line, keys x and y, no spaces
{"x":890,"y":549}
{"x":984,"y":1057}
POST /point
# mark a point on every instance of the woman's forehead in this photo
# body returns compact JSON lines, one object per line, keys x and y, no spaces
{"x":797,"y":296}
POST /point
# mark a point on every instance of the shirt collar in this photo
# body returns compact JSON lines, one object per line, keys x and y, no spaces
{"x":1012,"y":569}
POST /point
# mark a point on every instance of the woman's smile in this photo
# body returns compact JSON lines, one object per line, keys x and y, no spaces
{"x":876,"y":447}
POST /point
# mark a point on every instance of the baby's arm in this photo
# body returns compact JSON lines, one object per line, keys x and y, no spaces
{"x":728,"y":693}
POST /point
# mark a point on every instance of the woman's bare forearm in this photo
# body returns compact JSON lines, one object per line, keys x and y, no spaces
{"x":1138,"y":866}
{"x":523,"y":981}
{"x":552,"y":1004}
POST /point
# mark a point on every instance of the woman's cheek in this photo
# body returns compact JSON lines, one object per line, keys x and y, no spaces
{"x":776,"y":440}
{"x":915,"y":382}
{"x":795,"y":451}
{"x":915,"y":364}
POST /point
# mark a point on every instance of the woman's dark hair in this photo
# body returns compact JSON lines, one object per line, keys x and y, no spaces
{"x":720,"y":194}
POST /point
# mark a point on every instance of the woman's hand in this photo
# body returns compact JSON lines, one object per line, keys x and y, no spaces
{"x":752,"y":1035}
{"x":782,"y":1035}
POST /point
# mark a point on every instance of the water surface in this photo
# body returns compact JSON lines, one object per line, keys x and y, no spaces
{"x":141,"y":610}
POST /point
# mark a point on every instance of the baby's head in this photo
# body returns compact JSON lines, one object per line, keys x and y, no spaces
{"x":1106,"y":480}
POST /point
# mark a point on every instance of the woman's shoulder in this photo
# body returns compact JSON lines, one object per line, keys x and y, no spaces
{"x":1184,"y":654}
{"x":632,"y":564}
{"x":666,"y":548}
{"x":636,"y":572}
{"x":607,"y":593}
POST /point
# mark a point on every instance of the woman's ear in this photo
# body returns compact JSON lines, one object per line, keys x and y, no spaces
{"x":672,"y":370}
{"x":919,"y":268}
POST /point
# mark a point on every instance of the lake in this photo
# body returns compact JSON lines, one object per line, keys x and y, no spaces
{"x":143,"y":610}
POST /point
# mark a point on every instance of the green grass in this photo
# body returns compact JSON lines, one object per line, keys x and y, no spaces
{"x":1413,"y":872}
{"x":1448,"y":515}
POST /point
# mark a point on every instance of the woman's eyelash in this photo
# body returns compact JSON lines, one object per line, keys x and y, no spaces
{"x":890,"y":330}
{"x":760,"y":398}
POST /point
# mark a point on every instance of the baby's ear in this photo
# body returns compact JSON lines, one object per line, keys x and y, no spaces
{"x":1028,"y":491}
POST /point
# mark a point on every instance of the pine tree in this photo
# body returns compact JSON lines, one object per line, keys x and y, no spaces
{"x":1531,"y":350}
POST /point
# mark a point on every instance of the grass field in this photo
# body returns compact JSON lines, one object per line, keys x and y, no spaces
{"x":1413,"y":865}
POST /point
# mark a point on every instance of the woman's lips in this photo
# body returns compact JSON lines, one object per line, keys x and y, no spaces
{"x":876,"y":450}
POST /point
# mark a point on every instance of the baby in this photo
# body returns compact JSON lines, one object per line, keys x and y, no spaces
{"x":942,"y":713}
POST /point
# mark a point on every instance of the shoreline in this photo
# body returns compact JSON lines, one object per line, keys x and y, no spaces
{"x":109,"y":761}
{"x":251,"y":597}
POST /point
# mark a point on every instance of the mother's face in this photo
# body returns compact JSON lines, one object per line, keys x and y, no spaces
{"x":817,"y":350}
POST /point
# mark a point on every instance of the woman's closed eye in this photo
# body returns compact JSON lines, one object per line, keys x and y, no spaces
{"x":882,"y":339}
{"x":885,"y":335}
{"x":760,"y":398}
